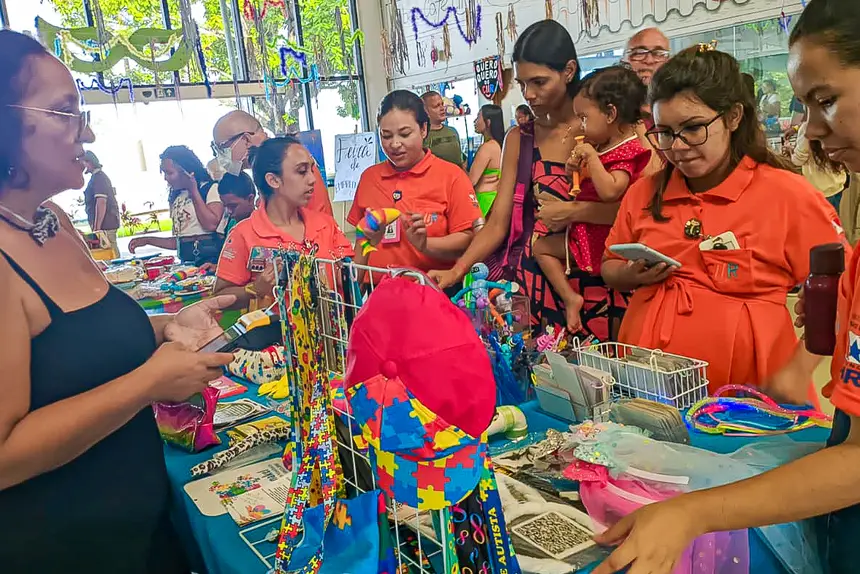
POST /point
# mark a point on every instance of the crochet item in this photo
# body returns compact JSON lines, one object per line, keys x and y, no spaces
{"x":259,"y":367}
{"x":374,"y":220}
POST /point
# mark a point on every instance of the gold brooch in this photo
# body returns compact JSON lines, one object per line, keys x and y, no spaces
{"x":693,"y":229}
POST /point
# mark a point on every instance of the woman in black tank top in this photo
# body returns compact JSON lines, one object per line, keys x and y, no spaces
{"x":83,"y":485}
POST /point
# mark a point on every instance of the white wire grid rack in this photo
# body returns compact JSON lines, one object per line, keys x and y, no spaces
{"x":648,"y":374}
{"x":340,"y":296}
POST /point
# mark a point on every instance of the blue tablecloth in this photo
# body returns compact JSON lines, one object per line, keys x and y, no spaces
{"x":215,"y":542}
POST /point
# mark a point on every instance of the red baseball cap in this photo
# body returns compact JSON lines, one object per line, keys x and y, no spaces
{"x":414,"y":333}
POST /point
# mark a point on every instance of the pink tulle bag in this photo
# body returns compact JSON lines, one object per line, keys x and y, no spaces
{"x":609,"y":499}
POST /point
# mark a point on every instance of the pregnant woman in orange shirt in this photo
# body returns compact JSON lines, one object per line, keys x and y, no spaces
{"x":724,"y":306}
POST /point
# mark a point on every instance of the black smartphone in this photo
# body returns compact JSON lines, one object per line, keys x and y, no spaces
{"x":226,"y":342}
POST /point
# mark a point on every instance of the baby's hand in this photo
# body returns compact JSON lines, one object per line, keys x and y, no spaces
{"x":584,"y":153}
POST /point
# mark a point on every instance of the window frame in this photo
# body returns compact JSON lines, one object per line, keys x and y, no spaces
{"x":240,"y":67}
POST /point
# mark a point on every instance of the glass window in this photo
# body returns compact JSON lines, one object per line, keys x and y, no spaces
{"x":332,"y":52}
{"x":762,"y":50}
{"x":130,"y":137}
{"x":211,"y":26}
{"x":593,"y":62}
{"x":342,"y":98}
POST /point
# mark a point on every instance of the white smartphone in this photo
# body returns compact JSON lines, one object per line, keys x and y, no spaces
{"x":637,"y":251}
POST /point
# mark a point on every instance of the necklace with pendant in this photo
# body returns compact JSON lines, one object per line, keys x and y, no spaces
{"x":44,"y":226}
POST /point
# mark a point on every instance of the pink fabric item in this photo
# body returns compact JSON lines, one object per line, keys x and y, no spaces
{"x":714,"y":553}
{"x":587,"y":472}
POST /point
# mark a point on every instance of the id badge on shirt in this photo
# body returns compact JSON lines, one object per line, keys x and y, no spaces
{"x":392,"y":233}
{"x":722,"y":242}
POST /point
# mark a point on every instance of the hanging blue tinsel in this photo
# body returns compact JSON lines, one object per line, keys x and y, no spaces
{"x":285,"y":52}
{"x":450,"y":11}
{"x":97,"y":84}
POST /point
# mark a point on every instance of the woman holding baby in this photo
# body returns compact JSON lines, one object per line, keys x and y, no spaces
{"x":547,"y":69}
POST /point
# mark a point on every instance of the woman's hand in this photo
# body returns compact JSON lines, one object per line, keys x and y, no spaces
{"x":197,"y":324}
{"x":651,"y":539}
{"x":446,"y":278}
{"x":189,"y":182}
{"x":800,"y":322}
{"x":176,"y":372}
{"x":788,"y":386}
{"x":374,"y":237}
{"x":571,"y":165}
{"x":552,"y":211}
{"x":416,"y":230}
{"x":638,"y":273}
{"x":136,"y":243}
{"x":264,"y":284}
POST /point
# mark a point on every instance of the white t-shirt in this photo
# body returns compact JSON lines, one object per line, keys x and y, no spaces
{"x":185,"y":222}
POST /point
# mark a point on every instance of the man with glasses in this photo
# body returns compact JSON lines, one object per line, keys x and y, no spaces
{"x":646,"y":52}
{"x":235,"y":134}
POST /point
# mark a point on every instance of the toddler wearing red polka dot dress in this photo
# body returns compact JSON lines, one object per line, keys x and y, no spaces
{"x":607,"y":159}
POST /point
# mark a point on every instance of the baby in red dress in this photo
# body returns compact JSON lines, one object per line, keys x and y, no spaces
{"x":607,"y":159}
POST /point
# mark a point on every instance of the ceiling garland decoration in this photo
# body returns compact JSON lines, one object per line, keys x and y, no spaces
{"x":470,"y":30}
{"x":118,"y":46}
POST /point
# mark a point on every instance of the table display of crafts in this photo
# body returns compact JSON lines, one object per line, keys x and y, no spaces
{"x":159,"y":278}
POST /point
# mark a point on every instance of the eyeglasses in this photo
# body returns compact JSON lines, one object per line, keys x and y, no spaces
{"x":639,"y":54}
{"x":228,"y":143}
{"x":82,"y":117}
{"x":694,"y":135}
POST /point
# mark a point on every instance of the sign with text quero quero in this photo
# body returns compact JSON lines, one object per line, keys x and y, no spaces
{"x":488,"y":75}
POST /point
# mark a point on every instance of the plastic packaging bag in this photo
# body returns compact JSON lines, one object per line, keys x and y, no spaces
{"x":188,"y":425}
{"x":715,"y":553}
{"x":660,"y":465}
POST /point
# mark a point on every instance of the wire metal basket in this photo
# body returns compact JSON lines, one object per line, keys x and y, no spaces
{"x":648,"y":373}
{"x":340,"y":297}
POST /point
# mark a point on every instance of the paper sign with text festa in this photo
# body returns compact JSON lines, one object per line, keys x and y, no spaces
{"x":353,"y":153}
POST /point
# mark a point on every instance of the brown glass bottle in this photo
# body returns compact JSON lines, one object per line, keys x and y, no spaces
{"x":820,"y":295}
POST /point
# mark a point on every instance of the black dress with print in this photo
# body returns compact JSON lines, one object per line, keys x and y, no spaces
{"x":106,"y":511}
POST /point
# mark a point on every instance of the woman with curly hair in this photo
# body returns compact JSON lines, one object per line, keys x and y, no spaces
{"x":195,"y":208}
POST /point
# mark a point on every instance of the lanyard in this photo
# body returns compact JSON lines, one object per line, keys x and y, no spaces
{"x":313,"y":441}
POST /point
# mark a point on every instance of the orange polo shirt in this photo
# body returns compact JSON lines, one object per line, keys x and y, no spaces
{"x":844,"y":387}
{"x":320,"y":200}
{"x":726,"y":307}
{"x":439,"y":190}
{"x":251,"y":244}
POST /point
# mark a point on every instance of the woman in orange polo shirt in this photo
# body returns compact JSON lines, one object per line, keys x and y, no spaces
{"x":284,"y":175}
{"x":724,"y":306}
{"x":438,"y":205}
{"x":824,"y":68}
